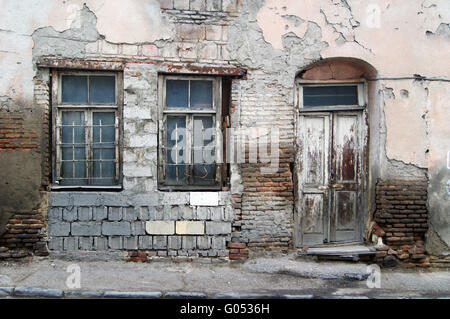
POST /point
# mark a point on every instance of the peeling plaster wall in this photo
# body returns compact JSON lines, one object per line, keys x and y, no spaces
{"x":273,"y":40}
{"x":399,"y":39}
{"x":405,"y":112}
{"x":381,"y":33}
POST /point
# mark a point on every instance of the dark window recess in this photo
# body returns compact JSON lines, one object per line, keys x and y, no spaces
{"x":189,"y":150}
{"x":330,"y":95}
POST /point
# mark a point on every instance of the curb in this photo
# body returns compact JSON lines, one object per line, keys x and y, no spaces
{"x":140,"y":295}
{"x":30,"y":292}
{"x":37,"y":292}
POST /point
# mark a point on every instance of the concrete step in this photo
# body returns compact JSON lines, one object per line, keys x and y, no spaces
{"x":336,"y":252}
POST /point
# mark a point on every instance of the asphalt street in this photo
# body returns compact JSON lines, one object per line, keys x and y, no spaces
{"x":274,"y":277}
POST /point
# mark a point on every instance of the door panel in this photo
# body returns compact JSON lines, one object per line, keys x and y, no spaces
{"x":313,"y":218}
{"x":343,"y":218}
{"x":315,"y":161}
{"x":344,"y":177}
{"x":314,"y":145}
{"x":345,"y":147}
{"x":329,"y":179}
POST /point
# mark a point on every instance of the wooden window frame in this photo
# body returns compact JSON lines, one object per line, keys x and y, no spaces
{"x":58,"y":107}
{"x":362,"y":95}
{"x":188,"y":113}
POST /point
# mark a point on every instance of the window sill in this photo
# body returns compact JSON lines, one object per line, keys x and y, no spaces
{"x":306,"y":109}
{"x":86,"y":188}
{"x":178,"y":188}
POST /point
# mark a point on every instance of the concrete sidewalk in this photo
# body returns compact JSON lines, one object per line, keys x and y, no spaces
{"x":277,"y":277}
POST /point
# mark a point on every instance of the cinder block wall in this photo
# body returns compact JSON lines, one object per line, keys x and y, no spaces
{"x":142,"y":226}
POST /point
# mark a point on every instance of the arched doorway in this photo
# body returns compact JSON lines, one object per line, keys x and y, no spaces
{"x":332,"y":156}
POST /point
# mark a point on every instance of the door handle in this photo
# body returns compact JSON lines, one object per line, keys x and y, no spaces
{"x":337,"y":186}
{"x":323,"y":188}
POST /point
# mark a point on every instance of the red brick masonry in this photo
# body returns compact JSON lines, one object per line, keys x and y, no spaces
{"x":402,"y":221}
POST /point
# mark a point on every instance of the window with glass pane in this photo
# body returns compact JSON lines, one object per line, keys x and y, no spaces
{"x":330,"y":95}
{"x":74,"y":89}
{"x":177,"y":93}
{"x":193,"y":94}
{"x":204,"y":151}
{"x":88,"y":89}
{"x":87,"y":131}
{"x":189,"y":151}
{"x":104,"y":148}
{"x":73,"y":149}
{"x":176,"y":151}
{"x":201,"y":94}
{"x":102,"y":90}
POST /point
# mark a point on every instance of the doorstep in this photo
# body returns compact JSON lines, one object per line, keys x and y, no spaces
{"x":352,"y":252}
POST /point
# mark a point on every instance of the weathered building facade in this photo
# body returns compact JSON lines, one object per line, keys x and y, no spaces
{"x":340,"y":106}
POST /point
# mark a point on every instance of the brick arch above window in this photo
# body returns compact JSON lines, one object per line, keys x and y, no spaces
{"x":338,"y":69}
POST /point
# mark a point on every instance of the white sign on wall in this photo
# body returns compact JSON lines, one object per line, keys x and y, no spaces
{"x":204,"y":198}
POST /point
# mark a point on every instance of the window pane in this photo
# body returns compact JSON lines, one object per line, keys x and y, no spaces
{"x":74,"y":89}
{"x":177,"y":93}
{"x":176,"y":131}
{"x":204,"y":147}
{"x":201,"y":94}
{"x":102,"y":90}
{"x":330,"y":95}
{"x":73,"y":151}
{"x":176,"y":174}
{"x":104,"y":148}
{"x":175,"y":151}
{"x":204,"y":151}
{"x":104,"y":127}
{"x":204,"y":174}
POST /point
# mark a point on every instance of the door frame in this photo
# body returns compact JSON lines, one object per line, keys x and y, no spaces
{"x":363,"y":108}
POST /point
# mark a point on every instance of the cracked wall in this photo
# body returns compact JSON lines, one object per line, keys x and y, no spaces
{"x":406,"y":43}
{"x":396,"y":39}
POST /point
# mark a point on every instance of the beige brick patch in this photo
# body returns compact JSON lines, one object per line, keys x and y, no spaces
{"x":186,"y":227}
{"x":160,"y":227}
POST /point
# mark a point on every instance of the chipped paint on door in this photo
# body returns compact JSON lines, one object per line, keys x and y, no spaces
{"x":314,"y":145}
{"x":330,"y":152}
{"x":344,"y":178}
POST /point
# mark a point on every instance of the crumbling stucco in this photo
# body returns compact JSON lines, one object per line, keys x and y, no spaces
{"x":273,"y":40}
{"x":406,"y":120}
{"x":374,"y":32}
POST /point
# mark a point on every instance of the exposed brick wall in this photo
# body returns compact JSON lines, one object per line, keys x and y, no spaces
{"x":13,"y":134}
{"x":42,"y":102}
{"x":238,"y":245}
{"x":258,"y":101}
{"x":402,"y":220}
{"x":25,"y":230}
{"x":267,"y":203}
